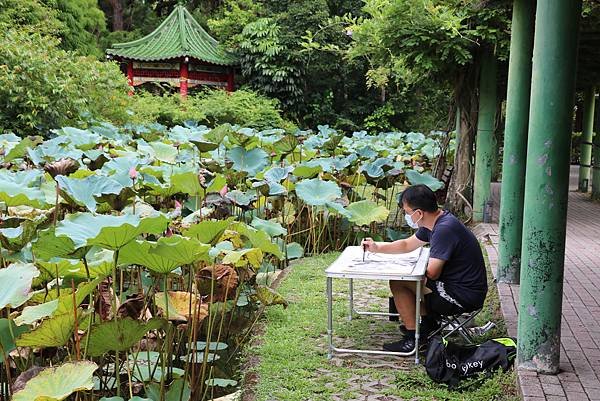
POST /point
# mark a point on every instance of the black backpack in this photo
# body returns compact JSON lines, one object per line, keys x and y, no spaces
{"x":449,"y":363}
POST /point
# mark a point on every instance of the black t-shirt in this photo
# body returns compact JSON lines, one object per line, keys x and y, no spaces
{"x":463,"y":273}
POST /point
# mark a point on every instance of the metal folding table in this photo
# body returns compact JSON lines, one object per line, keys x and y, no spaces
{"x":349,"y":265}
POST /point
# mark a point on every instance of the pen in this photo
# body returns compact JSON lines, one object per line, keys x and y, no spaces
{"x":364,"y":251}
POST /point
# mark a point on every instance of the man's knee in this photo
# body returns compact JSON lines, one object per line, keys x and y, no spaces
{"x":396,"y":285}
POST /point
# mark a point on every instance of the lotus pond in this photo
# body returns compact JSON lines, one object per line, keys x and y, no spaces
{"x":136,"y":260}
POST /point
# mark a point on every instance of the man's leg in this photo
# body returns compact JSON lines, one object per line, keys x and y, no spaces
{"x":404,"y":293}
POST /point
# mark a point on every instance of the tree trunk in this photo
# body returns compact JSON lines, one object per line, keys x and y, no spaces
{"x":117,"y":17}
{"x":460,"y":191}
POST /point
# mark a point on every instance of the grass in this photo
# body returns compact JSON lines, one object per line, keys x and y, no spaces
{"x":291,"y":354}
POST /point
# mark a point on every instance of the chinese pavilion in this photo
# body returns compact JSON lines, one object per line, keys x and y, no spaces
{"x":179,"y":52}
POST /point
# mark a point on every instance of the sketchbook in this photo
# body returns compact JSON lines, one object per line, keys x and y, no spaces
{"x":351,"y":261}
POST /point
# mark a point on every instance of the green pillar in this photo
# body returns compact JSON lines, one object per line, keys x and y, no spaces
{"x":585,"y":159}
{"x":547,"y":184}
{"x":596,"y":159}
{"x":484,"y":146}
{"x":515,"y":141}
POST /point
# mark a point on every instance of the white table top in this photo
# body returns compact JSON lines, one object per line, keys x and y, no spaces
{"x":379,"y":266}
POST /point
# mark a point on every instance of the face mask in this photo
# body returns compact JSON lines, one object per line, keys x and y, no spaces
{"x":410,"y":222}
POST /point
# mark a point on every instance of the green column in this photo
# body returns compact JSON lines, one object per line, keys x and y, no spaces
{"x":547,"y":183}
{"x":484,"y":146}
{"x":515,"y":141}
{"x":596,"y":160}
{"x":585,"y":159}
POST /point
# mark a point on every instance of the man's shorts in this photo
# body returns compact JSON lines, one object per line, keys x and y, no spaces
{"x":439,"y":302}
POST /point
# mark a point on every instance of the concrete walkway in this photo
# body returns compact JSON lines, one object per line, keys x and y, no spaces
{"x":579,"y":379}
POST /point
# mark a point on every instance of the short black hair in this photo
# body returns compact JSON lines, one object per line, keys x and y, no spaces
{"x":419,"y":197}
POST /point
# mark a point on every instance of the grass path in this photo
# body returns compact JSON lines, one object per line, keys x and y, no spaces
{"x":291,"y":354}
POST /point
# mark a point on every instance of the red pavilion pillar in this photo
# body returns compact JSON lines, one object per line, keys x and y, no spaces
{"x":183,"y":78}
{"x":130,"y":76}
{"x":230,"y":78}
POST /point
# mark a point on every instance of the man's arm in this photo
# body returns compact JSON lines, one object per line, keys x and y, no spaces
{"x":400,"y":246}
{"x":434,"y":268}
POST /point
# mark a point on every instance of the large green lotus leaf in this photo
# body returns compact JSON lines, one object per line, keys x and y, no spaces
{"x":53,"y":332}
{"x":294,"y":250}
{"x":267,"y":296}
{"x":271,"y":227}
{"x":208,"y":231}
{"x":286,"y":145}
{"x":179,"y":390}
{"x":16,"y":238}
{"x":304,"y":171}
{"x":118,"y":335}
{"x":65,"y":302}
{"x":240,"y":198}
{"x":258,"y":239}
{"x":317,"y":192}
{"x":219,"y":133}
{"x":83,"y":191}
{"x":415,"y":178}
{"x":47,"y":246}
{"x":165,"y":255}
{"x":251,"y":161}
{"x":365,"y":212}
{"x":107,"y":231}
{"x":245,"y":137}
{"x":244,"y":257}
{"x":81,"y":139}
{"x":277,"y":174}
{"x":220,"y":382}
{"x":186,"y":182}
{"x":7,"y":341}
{"x":337,"y":208}
{"x":15,"y":284}
{"x":58,"y":382}
{"x":164,"y":152}
{"x":22,"y":188}
{"x":217,"y":183}
{"x":203,"y":145}
{"x":20,"y":149}
{"x":32,"y":314}
{"x":57,"y":267}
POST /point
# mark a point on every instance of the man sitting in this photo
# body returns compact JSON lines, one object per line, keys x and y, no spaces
{"x":456,"y":276}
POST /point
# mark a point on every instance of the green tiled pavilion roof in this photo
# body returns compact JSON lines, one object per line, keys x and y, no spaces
{"x":179,"y":35}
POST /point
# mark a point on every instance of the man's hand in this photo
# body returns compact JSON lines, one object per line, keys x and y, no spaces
{"x":369,"y":245}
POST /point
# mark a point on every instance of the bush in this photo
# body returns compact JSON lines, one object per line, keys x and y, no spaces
{"x":212,"y":107}
{"x":43,"y":87}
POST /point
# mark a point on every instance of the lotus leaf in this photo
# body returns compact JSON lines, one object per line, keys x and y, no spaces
{"x":47,"y":246}
{"x":118,"y":335}
{"x":286,"y":145}
{"x":198,"y":357}
{"x":7,"y":342}
{"x":107,"y":231}
{"x":240,"y":198}
{"x":164,"y":255}
{"x":337,"y":208}
{"x":57,"y":383}
{"x":213,"y":346}
{"x":216,"y":183}
{"x":270,"y":227}
{"x":366,"y":212}
{"x":179,"y":390}
{"x":244,"y":257}
{"x":81,"y":139}
{"x":204,"y":145}
{"x":258,"y":239}
{"x":53,"y":332}
{"x":208,"y":231}
{"x":20,"y":149}
{"x":277,"y":174}
{"x":316,"y":192}
{"x":294,"y":250}
{"x":15,"y":284}
{"x":179,"y":305}
{"x":415,"y":178}
{"x":251,"y":161}
{"x":22,"y":188}
{"x":16,"y":238}
{"x":186,"y":182}
{"x":326,"y":163}
{"x":32,"y":314}
{"x":83,"y":191}
{"x":304,"y":171}
{"x":267,"y":296}
{"x":221,"y":382}
{"x":164,"y":152}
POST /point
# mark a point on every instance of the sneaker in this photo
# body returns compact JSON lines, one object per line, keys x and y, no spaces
{"x":404,"y":345}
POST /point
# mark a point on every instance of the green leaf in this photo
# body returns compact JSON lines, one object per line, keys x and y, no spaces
{"x":244,"y":257}
{"x":286,"y":145}
{"x":47,"y":245}
{"x":366,"y":212}
{"x":15,"y":284}
{"x":107,"y":231}
{"x":258,"y":239}
{"x":57,"y":383}
{"x":251,"y":161}
{"x":22,"y":188}
{"x":208,"y":231}
{"x":179,"y":390}
{"x":317,"y":192}
{"x":294,"y":250}
{"x":53,"y":332}
{"x":267,"y":296}
{"x":7,"y":342}
{"x":83,"y":191}
{"x":16,"y":238}
{"x":187,"y":183}
{"x":118,"y":335}
{"x":271,"y":227}
{"x":165,"y":255}
{"x":415,"y":178}
{"x":304,"y":171}
{"x":221,"y":382}
{"x":32,"y":314}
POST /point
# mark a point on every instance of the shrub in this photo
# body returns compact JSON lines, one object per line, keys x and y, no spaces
{"x":42,"y":86}
{"x":211,"y":107}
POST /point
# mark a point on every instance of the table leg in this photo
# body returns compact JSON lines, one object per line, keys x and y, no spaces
{"x":329,"y":318}
{"x":418,"y":321}
{"x":351,"y":298}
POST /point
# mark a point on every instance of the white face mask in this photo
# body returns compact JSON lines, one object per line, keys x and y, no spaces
{"x":410,"y":222}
